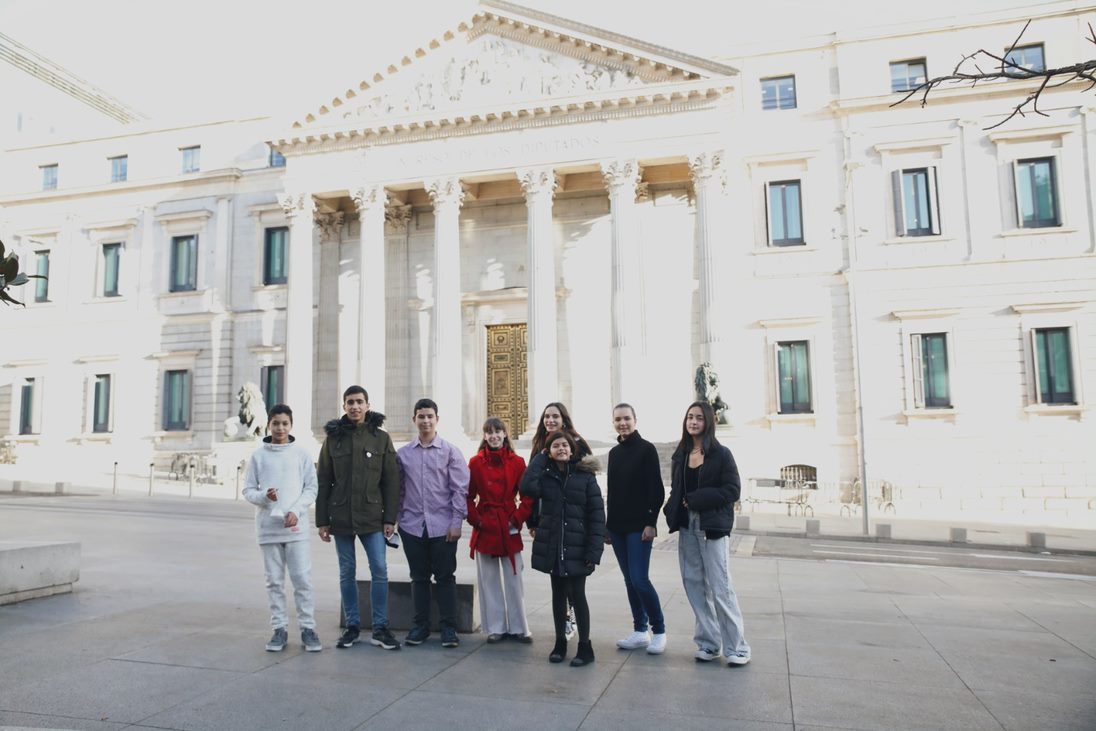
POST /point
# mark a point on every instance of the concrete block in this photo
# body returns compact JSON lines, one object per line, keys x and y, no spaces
{"x":813,"y":526}
{"x":17,"y":486}
{"x":882,"y":530}
{"x":30,"y":569}
{"x":61,"y":487}
{"x":1036,"y":540}
{"x":957,"y":535}
{"x":401,"y":610}
{"x":742,"y":522}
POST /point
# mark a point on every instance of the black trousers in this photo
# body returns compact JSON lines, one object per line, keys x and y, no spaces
{"x":436,"y":557}
{"x":573,"y":589}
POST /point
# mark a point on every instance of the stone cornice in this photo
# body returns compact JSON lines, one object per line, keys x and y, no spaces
{"x":229,"y":175}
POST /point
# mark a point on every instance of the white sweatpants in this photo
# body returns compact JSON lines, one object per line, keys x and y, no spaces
{"x":295,"y":556}
{"x":501,"y":594}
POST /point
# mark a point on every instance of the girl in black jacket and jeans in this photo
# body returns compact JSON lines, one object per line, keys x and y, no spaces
{"x":570,"y":537}
{"x":704,"y":488}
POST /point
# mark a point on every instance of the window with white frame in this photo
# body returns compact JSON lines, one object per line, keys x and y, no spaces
{"x":930,"y":370}
{"x":784,"y":209}
{"x":277,"y":160}
{"x":778,"y":93}
{"x":30,"y":405}
{"x":41,"y":268}
{"x":176,"y":403}
{"x":1052,"y":352}
{"x":184,"y":264}
{"x":916,"y":202}
{"x":191,"y":158}
{"x":273,"y":385}
{"x":1037,"y":204}
{"x":793,"y":377}
{"x":906,"y":75}
{"x":275,"y":245}
{"x":101,"y":403}
{"x":119,"y":168}
{"x":111,"y":267}
{"x":49,"y":177}
{"x":1025,"y":58}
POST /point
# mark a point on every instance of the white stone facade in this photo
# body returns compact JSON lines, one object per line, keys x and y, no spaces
{"x":614,"y":197}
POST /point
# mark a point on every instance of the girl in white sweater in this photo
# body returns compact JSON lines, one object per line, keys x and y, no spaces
{"x":281,"y":482}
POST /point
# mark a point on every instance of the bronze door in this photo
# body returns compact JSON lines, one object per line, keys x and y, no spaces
{"x":507,"y":369}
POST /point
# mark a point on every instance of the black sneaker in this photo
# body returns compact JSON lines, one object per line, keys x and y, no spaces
{"x":449,"y":637}
{"x":417,"y":635}
{"x":278,"y":640}
{"x":349,"y":637}
{"x":383,"y":637}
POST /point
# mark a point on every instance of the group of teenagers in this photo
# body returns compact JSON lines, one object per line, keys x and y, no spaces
{"x":421,"y":495}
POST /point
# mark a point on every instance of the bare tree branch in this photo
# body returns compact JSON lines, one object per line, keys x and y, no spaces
{"x":1005,"y":68}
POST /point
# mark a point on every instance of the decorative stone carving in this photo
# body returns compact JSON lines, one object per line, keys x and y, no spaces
{"x":620,"y":174}
{"x":330,"y":225}
{"x":707,"y":389}
{"x":369,"y":196}
{"x":535,"y":181}
{"x":445,"y":191}
{"x":495,"y":69}
{"x":295,"y":204}
{"x":397,"y":216}
{"x":250,"y":420}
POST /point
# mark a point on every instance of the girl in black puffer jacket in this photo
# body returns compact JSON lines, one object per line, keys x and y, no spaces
{"x":570,"y":537}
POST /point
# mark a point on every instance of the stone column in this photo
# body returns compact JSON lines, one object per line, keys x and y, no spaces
{"x":539,"y":185}
{"x":447,"y":358}
{"x":622,"y":177}
{"x":372,"y":345}
{"x":299,"y":208}
{"x":707,"y":171}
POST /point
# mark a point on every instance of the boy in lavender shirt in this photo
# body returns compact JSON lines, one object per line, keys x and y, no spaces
{"x":433,"y":506}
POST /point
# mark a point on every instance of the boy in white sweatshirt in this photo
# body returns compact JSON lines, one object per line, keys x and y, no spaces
{"x":281,"y":482}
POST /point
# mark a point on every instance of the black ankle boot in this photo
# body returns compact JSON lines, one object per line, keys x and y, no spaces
{"x":584,"y":655}
{"x":559,"y":651}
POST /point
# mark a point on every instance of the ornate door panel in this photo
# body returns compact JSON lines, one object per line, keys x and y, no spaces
{"x":507,"y":382}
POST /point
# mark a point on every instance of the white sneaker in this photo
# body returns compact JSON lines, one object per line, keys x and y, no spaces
{"x":658,"y":644}
{"x":704,"y":655}
{"x":634,"y":641}
{"x":738,"y":658}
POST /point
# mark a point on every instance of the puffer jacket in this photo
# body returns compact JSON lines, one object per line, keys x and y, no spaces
{"x":493,"y":506}
{"x":359,"y":478}
{"x":571,"y":534}
{"x":714,"y":498}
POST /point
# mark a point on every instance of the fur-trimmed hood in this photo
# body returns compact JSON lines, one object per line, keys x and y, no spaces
{"x":373,"y":421}
{"x":589,"y":463}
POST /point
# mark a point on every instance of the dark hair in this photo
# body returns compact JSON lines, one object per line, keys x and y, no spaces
{"x":556,"y":436}
{"x":578,"y":444}
{"x":495,"y":424}
{"x":424,"y":403}
{"x":279,"y":409}
{"x":624,"y":405}
{"x":353,"y":390}
{"x":707,"y":438}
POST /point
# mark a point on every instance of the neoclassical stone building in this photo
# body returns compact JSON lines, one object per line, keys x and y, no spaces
{"x":528,"y":209}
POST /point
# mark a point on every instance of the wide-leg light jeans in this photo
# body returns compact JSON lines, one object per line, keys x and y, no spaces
{"x":501,"y":594}
{"x":706,"y":575}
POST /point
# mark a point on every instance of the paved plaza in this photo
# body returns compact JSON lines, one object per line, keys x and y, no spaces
{"x":166,"y":628}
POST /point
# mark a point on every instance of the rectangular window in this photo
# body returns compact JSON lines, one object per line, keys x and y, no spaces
{"x":184,"y":263}
{"x":931,"y":389}
{"x":119,"y":168}
{"x":793,"y":377}
{"x":112,"y":260}
{"x":785,"y":209}
{"x":274,"y":252}
{"x":26,"y":406}
{"x":41,"y":268}
{"x":778,"y":93}
{"x":273,"y":384}
{"x":277,"y":160}
{"x":1028,"y":58}
{"x":1053,"y":366}
{"x":176,"y":400}
{"x":1036,"y":193}
{"x":49,"y":177}
{"x":192,"y":159}
{"x":906,"y":75}
{"x":100,"y":408}
{"x":916,"y":203}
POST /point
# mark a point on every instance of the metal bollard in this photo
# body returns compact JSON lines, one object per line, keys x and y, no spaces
{"x":193,"y":469}
{"x":114,"y":489}
{"x":239,"y":468}
{"x":150,"y":466}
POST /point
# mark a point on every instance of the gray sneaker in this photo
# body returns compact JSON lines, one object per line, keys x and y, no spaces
{"x":278,"y":640}
{"x":310,"y":640}
{"x":738,"y":658}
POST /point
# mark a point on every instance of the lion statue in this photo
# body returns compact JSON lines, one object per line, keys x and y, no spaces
{"x":707,"y":389}
{"x":250,"y":421}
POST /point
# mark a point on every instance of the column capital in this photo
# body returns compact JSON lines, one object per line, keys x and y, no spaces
{"x":704,"y":166}
{"x":445,"y":191}
{"x":621,"y":174}
{"x":537,"y":181}
{"x":330,"y":224}
{"x":397,"y":215}
{"x":369,"y":196}
{"x":297,"y":204}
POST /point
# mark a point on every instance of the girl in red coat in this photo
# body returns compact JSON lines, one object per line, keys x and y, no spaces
{"x":496,"y":516}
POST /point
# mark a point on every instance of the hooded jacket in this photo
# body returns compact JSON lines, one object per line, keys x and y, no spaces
{"x":571,"y":534}
{"x":289,"y":469}
{"x":493,"y":505}
{"x":359,"y":478}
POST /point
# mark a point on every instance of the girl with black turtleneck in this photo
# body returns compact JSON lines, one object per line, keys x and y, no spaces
{"x":635,"y":497}
{"x":496,"y":515}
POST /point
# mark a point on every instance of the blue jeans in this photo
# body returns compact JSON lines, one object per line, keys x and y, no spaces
{"x":634,"y":557}
{"x":378,"y":577}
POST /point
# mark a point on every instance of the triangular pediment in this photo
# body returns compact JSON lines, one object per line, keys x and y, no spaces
{"x":505,"y":60}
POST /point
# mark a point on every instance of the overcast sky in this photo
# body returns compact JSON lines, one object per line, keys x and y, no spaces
{"x":224,"y":58}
